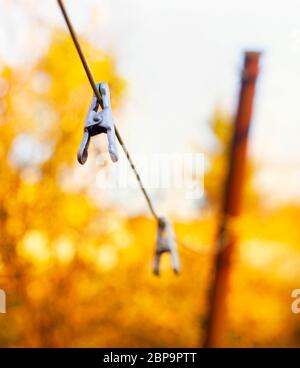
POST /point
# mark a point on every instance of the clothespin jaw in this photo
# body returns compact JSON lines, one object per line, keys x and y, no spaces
{"x":97,"y":123}
{"x":165,"y":243}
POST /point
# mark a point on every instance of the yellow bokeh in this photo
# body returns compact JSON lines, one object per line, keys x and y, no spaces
{"x":78,"y":273}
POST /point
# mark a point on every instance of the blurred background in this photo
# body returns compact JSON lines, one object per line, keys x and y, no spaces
{"x":75,"y":259}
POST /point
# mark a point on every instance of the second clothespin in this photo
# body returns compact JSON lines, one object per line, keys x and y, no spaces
{"x":166,"y":243}
{"x":97,"y":123}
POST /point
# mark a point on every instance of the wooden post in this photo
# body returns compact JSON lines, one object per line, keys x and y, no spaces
{"x":225,"y":242}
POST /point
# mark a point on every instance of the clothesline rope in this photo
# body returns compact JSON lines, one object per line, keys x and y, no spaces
{"x":97,"y":94}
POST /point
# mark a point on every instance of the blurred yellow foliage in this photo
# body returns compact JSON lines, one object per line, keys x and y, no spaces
{"x":76,"y":275}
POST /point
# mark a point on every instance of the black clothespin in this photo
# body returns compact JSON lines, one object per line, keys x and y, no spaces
{"x":166,"y":243}
{"x":97,"y":123}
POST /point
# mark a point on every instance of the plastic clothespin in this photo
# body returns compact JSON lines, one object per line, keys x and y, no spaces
{"x":97,"y":123}
{"x":166,"y":243}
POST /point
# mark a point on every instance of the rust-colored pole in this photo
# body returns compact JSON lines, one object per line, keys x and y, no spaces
{"x":225,"y":242}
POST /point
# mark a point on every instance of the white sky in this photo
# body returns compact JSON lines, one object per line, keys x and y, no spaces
{"x":181,"y":59}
